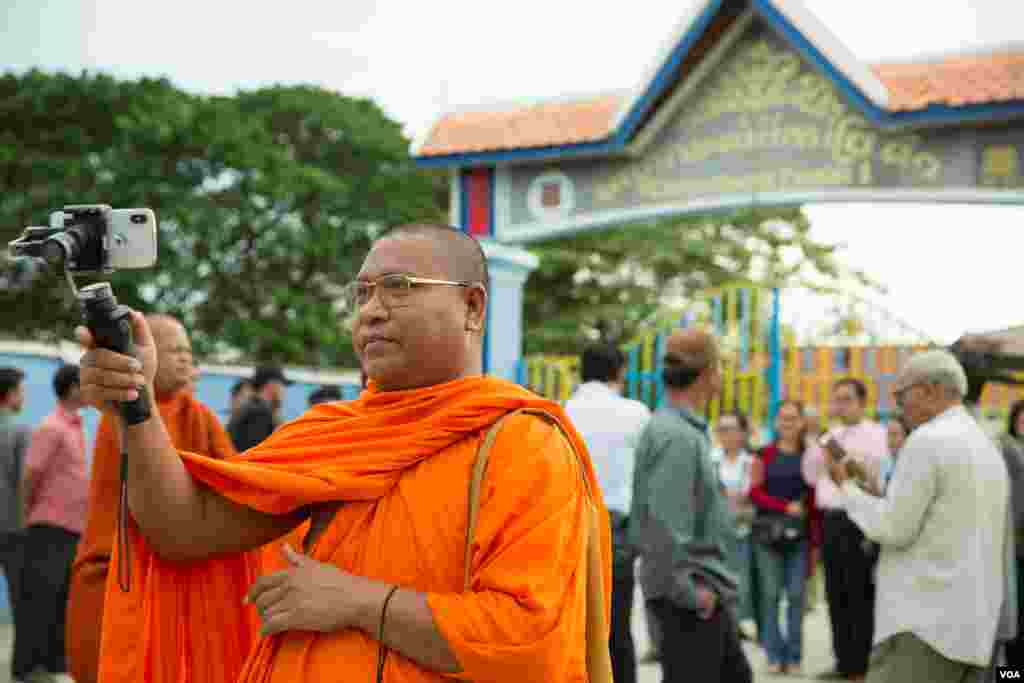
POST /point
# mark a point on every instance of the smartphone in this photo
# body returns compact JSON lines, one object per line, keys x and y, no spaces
{"x":131,"y":237}
{"x":832,"y":445}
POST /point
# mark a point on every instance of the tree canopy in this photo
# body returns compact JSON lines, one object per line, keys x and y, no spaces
{"x":612,"y":282}
{"x":266,"y":202}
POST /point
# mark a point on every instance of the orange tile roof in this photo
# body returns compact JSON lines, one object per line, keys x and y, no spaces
{"x":954,"y":82}
{"x":538,"y":125}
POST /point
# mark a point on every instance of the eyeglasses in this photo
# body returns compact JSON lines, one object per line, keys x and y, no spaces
{"x":393,"y":291}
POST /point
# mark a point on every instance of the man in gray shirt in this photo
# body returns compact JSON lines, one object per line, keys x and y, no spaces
{"x":942,"y":530}
{"x":680,"y":523}
{"x":14,"y":440}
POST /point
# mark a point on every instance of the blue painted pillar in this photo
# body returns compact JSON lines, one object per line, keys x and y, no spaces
{"x":509,"y":267}
{"x":775,"y":366}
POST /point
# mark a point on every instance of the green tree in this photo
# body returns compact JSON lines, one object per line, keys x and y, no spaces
{"x":614,"y":282}
{"x":266,"y":202}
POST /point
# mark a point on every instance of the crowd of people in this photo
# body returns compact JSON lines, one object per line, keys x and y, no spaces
{"x":59,"y":513}
{"x":910,"y":521}
{"x":345,"y":541}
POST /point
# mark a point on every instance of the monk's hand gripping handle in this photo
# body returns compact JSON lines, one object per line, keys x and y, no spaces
{"x":111,"y":328}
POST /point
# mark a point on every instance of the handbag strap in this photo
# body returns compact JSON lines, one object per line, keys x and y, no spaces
{"x":599,"y":667}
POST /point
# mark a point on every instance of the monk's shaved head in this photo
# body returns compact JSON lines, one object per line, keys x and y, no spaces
{"x":464,"y":258}
{"x":161,"y":323}
{"x":428,"y":332}
{"x":174,"y":354}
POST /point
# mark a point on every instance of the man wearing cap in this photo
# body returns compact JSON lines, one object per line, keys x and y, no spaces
{"x":256,"y":421}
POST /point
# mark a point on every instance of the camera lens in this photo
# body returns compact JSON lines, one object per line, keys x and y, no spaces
{"x":138,"y":218}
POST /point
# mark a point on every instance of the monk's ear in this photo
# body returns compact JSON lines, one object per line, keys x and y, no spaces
{"x":476,"y":308}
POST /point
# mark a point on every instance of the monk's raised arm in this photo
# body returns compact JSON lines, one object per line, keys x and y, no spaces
{"x":180,"y":518}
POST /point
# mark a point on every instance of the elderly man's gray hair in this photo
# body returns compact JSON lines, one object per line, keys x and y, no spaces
{"x":934,"y":367}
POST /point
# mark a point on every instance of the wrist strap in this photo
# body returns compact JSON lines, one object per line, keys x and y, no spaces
{"x":382,"y":652}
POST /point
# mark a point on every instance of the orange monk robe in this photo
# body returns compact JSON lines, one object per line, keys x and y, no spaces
{"x":401,"y":461}
{"x":192,"y":426}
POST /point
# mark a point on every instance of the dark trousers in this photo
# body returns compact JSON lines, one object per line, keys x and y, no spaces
{"x":623,"y":652}
{"x":1015,"y":648}
{"x":39,"y":620}
{"x":10,"y":563}
{"x":694,"y":649}
{"x":850,"y":591}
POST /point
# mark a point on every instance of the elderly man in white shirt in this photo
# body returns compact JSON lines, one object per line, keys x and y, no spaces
{"x":610,"y":425}
{"x":942,"y":532}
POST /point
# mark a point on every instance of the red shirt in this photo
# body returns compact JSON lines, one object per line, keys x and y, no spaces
{"x":58,"y":473}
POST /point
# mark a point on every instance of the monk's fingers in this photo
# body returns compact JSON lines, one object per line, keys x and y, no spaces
{"x":84,"y":336}
{"x":277,"y":622}
{"x":107,"y":376}
{"x":105,"y":360}
{"x":268,"y":599}
{"x":265,"y":583}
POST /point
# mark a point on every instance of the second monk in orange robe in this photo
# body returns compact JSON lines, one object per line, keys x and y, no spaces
{"x":358,"y":503}
{"x":193,"y":427}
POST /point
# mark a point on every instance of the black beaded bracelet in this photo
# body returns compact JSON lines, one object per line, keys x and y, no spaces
{"x":381,"y":650}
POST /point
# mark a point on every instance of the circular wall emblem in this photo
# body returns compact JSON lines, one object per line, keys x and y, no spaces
{"x":551,"y":196}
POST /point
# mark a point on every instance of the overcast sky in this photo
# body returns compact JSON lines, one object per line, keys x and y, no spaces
{"x":947,"y":268}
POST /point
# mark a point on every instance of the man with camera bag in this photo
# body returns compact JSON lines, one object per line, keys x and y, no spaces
{"x":191,"y":426}
{"x":345,"y":533}
{"x":680,"y":523}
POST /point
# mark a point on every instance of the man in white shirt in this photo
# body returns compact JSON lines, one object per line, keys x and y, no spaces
{"x":942,"y":532}
{"x":611,"y":425}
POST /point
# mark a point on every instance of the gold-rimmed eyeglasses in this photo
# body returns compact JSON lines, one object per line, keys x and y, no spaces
{"x":393,"y":291}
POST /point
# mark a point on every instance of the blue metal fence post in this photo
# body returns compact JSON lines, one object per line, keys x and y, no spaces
{"x":775,"y":366}
{"x":633,"y":374}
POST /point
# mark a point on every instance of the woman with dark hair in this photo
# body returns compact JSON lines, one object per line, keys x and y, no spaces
{"x":781,"y":535}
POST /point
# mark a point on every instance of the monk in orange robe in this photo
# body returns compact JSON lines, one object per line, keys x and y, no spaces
{"x":334,"y":550}
{"x":191,"y":426}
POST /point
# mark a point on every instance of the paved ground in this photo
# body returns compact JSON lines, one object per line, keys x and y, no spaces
{"x":817,"y":649}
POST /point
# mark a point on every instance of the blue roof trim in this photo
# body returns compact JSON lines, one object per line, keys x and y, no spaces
{"x":514,"y":155}
{"x":666,"y":73}
{"x":883,"y":118}
{"x":777,"y":21}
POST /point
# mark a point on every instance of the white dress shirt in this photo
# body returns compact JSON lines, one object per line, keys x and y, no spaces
{"x":942,"y":530}
{"x":610,"y":425}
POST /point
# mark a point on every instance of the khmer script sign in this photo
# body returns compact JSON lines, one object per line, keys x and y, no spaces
{"x":765,"y":121}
